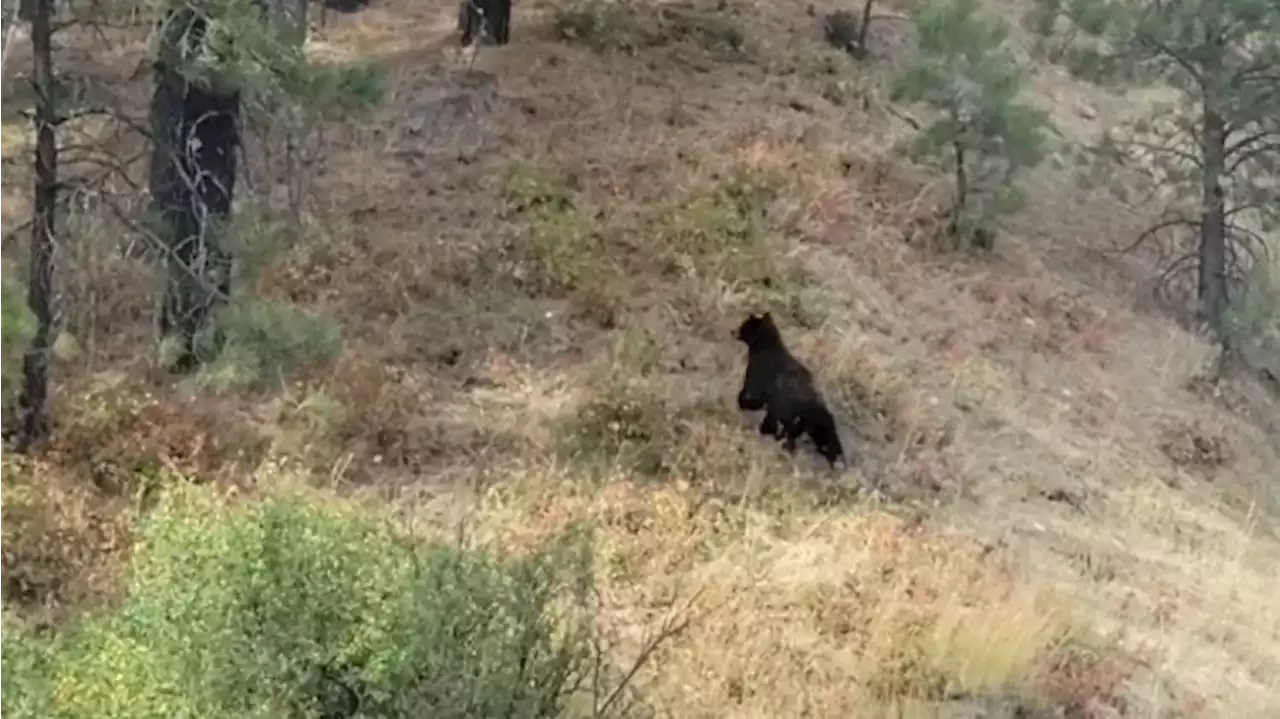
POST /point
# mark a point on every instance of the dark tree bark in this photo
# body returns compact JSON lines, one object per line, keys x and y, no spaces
{"x":487,"y":20}
{"x":864,"y":28}
{"x":33,"y":401}
{"x":343,"y":6}
{"x":196,"y":133}
{"x":962,"y":180}
{"x":1211,"y":281}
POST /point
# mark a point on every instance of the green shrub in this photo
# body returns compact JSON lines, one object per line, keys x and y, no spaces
{"x":721,"y":230}
{"x":984,"y":135}
{"x":24,"y":687}
{"x":289,"y":609}
{"x":559,"y":248}
{"x":354,"y":87}
{"x":265,"y":341}
{"x":17,"y":324}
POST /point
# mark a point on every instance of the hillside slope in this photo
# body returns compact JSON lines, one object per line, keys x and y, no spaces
{"x":537,"y":257}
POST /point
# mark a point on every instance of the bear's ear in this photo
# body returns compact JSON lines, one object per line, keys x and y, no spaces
{"x":767,"y":317}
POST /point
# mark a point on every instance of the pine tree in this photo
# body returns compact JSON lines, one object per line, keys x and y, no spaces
{"x":984,"y":136}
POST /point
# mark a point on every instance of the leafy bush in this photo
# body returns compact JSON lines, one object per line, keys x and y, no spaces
{"x":357,"y":86}
{"x":265,"y":341}
{"x":24,"y":688}
{"x":289,"y":609}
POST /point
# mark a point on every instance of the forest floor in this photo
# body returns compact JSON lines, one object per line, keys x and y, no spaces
{"x":537,"y":257}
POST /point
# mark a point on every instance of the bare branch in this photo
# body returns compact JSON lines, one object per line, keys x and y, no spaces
{"x":1177,"y":58}
{"x":169,"y":252}
{"x":1245,"y":207}
{"x":672,"y":626}
{"x":1183,"y":155}
{"x":1253,"y":154}
{"x":1184,"y":264}
{"x":14,"y":232}
{"x":1153,"y":230}
{"x":1248,"y":140}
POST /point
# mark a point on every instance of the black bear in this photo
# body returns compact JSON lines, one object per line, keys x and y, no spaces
{"x":778,"y":383}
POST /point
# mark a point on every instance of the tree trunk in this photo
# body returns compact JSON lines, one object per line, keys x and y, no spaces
{"x":34,"y":398}
{"x":487,"y":20}
{"x":864,"y":28}
{"x":959,"y":228}
{"x":196,"y":133}
{"x":1211,"y":284}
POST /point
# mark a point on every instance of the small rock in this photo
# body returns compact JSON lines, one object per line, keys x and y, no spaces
{"x":1088,"y":112}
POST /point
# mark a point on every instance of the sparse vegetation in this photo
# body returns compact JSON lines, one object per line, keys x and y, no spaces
{"x":500,"y":321}
{"x":630,"y":429}
{"x":719,"y":232}
{"x":632,"y":26}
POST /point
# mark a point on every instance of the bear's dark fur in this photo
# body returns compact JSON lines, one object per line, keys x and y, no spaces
{"x":778,"y":383}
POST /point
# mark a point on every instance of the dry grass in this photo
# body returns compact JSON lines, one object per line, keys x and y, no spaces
{"x":537,"y":262}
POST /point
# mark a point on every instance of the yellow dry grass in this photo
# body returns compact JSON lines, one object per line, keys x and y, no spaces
{"x":1041,"y":542}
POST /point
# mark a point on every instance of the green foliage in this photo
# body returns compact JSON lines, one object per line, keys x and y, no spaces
{"x":1221,"y":54}
{"x":720,"y":230}
{"x":24,"y":686}
{"x":1187,"y":43}
{"x":727,"y":217}
{"x":238,"y":51}
{"x":560,"y":248}
{"x":286,"y":608}
{"x":17,"y":327}
{"x":235,"y":51}
{"x":1224,"y":131}
{"x":356,"y":87}
{"x":264,"y":341}
{"x":984,"y":134}
{"x":255,"y":238}
{"x":17,"y":323}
